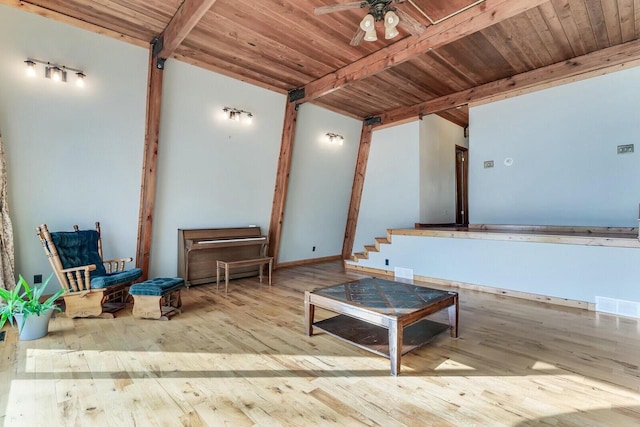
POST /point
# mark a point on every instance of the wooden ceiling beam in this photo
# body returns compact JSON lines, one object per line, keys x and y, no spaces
{"x":465,"y":23}
{"x":596,"y":63}
{"x":185,"y":19}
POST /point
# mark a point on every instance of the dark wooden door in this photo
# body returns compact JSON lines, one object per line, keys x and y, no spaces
{"x":462,"y":185}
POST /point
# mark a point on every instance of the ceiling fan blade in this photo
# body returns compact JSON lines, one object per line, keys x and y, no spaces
{"x":340,"y":7}
{"x":357,"y":37}
{"x":409,"y":23}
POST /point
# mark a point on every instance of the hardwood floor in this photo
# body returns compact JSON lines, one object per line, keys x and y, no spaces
{"x":242,"y":359}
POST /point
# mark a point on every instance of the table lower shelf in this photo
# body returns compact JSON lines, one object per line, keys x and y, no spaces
{"x":375,"y":338}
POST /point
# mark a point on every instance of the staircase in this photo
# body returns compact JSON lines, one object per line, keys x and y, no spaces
{"x":373,"y":248}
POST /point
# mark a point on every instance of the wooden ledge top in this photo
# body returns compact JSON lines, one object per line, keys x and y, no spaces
{"x":587,"y":236}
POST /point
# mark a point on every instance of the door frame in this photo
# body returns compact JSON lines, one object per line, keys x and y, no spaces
{"x":462,"y":186}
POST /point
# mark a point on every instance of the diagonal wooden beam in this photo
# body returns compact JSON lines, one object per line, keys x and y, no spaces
{"x":596,"y":63}
{"x":356,"y":190}
{"x":149,"y":167}
{"x":282,"y":179}
{"x":465,"y":23}
{"x":183,"y":21}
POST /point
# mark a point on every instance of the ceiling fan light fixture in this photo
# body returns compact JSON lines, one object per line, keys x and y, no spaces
{"x":368,"y":23}
{"x":390,"y":32}
{"x":371,"y":36}
{"x":368,"y":26}
{"x":391,"y":21}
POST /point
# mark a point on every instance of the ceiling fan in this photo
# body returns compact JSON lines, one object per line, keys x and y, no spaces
{"x":379,"y":10}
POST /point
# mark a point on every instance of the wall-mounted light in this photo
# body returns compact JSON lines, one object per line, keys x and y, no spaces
{"x":80,"y":76}
{"x":31,"y":68}
{"x":55,"y":72}
{"x":237,"y":114}
{"x":334,"y":138}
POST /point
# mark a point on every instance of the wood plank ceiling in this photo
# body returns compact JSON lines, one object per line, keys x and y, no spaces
{"x":282,"y":45}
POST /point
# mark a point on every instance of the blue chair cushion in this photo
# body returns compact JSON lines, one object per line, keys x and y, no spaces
{"x":78,"y":248}
{"x":115,"y":278}
{"x":159,"y":286}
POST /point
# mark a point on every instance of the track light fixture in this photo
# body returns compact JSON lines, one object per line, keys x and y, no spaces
{"x":236,"y":114}
{"x":55,"y":72}
{"x":334,"y":138}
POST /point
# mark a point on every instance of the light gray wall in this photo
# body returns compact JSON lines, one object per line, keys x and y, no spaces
{"x":390,"y":196}
{"x":212,"y":172}
{"x":438,"y":139}
{"x":73,"y":156}
{"x":565,"y":171}
{"x":563,"y":144}
{"x":565,"y":271}
{"x":76,"y":156}
{"x":319,"y":185}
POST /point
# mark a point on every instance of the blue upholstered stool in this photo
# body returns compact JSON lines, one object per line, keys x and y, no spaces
{"x":157,"y":298}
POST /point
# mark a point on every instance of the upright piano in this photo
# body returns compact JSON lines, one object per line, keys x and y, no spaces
{"x":200,"y":248}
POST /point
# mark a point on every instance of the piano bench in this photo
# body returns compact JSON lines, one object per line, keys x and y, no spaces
{"x":227,"y":265}
{"x":157,"y":298}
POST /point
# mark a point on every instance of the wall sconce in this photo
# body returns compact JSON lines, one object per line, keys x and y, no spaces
{"x":335,"y":139}
{"x":236,"y":114}
{"x":55,"y":72}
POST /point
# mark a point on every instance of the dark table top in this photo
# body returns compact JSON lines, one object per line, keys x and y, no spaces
{"x":385,"y":296}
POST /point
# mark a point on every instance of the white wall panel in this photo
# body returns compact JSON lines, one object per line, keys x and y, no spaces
{"x":73,"y":156}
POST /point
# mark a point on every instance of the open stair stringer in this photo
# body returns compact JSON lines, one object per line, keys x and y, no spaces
{"x":373,"y":248}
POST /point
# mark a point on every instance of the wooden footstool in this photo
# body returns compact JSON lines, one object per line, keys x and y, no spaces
{"x":157,"y":298}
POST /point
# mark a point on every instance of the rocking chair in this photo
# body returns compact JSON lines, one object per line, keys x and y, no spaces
{"x":93,"y":287}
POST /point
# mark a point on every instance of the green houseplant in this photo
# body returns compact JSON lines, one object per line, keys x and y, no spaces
{"x":31,"y":315}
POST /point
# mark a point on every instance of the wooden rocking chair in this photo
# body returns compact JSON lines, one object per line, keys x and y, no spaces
{"x":94,"y":287}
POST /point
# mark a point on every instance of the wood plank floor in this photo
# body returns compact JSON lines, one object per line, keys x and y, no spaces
{"x":242,"y":359}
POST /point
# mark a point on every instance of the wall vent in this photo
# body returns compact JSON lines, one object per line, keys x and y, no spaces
{"x":618,"y":306}
{"x":403,"y":273}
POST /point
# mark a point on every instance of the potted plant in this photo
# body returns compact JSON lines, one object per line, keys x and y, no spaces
{"x":30,"y":314}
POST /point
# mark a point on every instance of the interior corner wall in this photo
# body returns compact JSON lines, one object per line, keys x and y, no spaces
{"x":563,"y":143}
{"x":212,"y":172}
{"x":438,"y":140}
{"x":73,"y":155}
{"x":390,"y":196}
{"x":320,"y":184}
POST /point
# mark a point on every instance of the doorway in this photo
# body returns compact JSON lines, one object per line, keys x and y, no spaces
{"x":462,"y":185}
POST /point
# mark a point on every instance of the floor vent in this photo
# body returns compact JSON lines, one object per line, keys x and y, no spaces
{"x":403,"y":273}
{"x":618,"y":306}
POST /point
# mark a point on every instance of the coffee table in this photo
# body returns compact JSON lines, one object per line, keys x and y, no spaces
{"x":382,"y":316}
